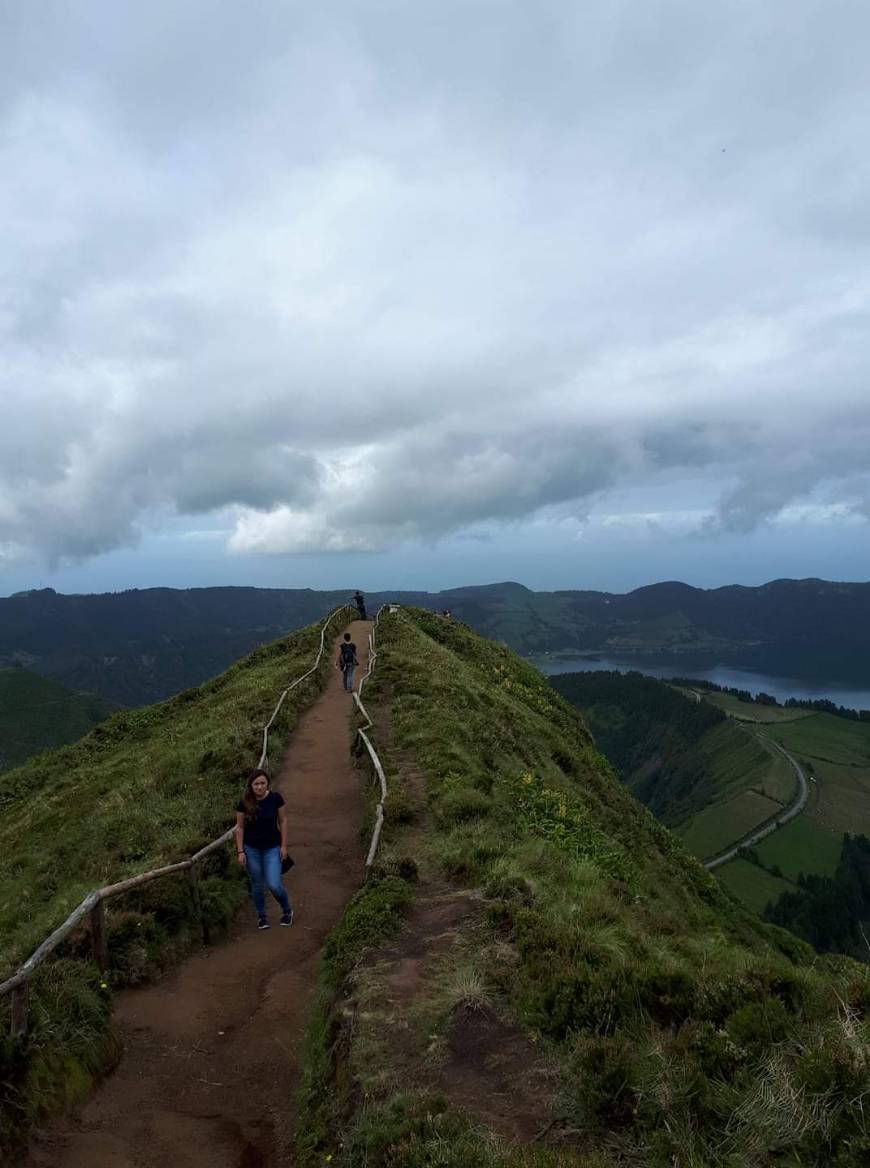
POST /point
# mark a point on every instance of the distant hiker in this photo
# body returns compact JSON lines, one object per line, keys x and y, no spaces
{"x":261,"y":844}
{"x":360,"y":602}
{"x":347,"y":661}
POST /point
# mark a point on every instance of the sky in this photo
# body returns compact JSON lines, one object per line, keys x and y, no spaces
{"x":403,"y":295}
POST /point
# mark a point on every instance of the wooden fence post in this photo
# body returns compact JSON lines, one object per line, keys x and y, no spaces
{"x":196,"y":900}
{"x":20,"y":1003}
{"x":99,"y":936}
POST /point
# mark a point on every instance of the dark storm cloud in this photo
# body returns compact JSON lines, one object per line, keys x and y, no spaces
{"x":357,"y":273}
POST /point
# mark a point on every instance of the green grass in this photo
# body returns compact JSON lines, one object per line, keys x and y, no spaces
{"x":148,"y":787}
{"x":825,"y":736}
{"x":683,"y":1030}
{"x":746,"y":784}
{"x":840,"y":799}
{"x":836,"y":753}
{"x":754,"y":711}
{"x":38,"y":713}
{"x":801,"y":846}
{"x":716,"y":827}
{"x":751,"y":884}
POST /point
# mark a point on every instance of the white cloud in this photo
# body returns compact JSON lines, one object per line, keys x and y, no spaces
{"x":350,"y":275}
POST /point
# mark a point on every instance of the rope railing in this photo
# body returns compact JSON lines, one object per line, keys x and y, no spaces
{"x":373,"y":754}
{"x":94,"y":904}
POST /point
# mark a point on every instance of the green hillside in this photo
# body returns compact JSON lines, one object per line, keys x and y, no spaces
{"x":835,"y":753}
{"x":38,"y":713}
{"x":698,"y":771}
{"x":149,"y":786}
{"x":536,"y":974}
{"x":539,"y":974}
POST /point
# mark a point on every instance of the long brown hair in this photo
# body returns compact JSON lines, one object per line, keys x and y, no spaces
{"x":249,"y":798}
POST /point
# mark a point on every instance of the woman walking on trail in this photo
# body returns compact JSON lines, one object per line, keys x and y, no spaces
{"x":261,"y":844}
{"x":347,"y":661}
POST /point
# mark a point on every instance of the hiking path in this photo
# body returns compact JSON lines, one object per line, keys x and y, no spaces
{"x":212,"y":1050}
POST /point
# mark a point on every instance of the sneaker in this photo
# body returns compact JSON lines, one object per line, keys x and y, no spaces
{"x":287,"y":917}
{"x":262,"y":923}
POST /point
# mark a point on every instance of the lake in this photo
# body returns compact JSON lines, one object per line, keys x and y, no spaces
{"x":724,"y":675}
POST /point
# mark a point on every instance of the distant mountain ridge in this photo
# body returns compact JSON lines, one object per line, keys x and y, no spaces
{"x":143,"y":645}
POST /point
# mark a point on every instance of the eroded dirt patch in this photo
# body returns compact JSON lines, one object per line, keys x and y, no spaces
{"x":485,"y":1065}
{"x":496,"y":1072}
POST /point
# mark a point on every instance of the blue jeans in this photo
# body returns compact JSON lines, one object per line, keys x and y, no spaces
{"x":264,"y":870}
{"x":348,"y":677}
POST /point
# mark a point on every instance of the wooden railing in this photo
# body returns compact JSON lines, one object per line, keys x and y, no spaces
{"x":373,"y":754}
{"x":94,"y":904}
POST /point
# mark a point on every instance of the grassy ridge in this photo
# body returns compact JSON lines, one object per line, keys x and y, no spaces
{"x":38,"y":713}
{"x":147,"y":787}
{"x":682,"y":1031}
{"x":150,"y":786}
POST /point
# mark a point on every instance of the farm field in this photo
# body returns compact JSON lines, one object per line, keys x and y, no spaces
{"x":802,"y":846}
{"x":712,"y":829}
{"x":751,"y":884}
{"x":750,"y":783}
{"x":827,"y":737}
{"x":836,"y":752}
{"x":753,"y":711}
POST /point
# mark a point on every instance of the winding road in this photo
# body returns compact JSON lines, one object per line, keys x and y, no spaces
{"x":770,"y":825}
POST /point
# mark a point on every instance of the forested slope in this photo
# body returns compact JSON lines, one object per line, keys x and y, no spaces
{"x":38,"y":713}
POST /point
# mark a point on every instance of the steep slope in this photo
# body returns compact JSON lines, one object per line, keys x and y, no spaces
{"x":232,"y":1013}
{"x":38,"y":713}
{"x":540,"y":974}
{"x":146,"y":788}
{"x":698,"y":771}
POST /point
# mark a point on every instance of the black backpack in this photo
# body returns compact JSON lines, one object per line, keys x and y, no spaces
{"x":347,"y":654}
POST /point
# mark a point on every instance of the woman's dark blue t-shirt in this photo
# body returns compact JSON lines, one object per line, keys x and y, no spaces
{"x":262,"y":831}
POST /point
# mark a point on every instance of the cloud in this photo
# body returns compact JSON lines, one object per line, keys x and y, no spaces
{"x":348,"y":276}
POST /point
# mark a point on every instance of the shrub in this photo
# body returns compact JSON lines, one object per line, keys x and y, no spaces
{"x":758,"y":1024}
{"x":598,"y":1093}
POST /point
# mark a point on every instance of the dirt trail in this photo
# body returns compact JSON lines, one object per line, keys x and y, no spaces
{"x":211,"y":1051}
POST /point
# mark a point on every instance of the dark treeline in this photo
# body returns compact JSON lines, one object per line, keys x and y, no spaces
{"x":831,"y":912}
{"x":820,"y":705}
{"x":695,"y":683}
{"x":650,"y":733}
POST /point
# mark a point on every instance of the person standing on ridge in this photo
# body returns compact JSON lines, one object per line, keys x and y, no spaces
{"x":261,"y":844}
{"x":360,"y":602}
{"x":347,"y":661}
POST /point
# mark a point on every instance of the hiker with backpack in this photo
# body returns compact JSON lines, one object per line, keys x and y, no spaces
{"x":261,"y":844}
{"x":347,"y":661}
